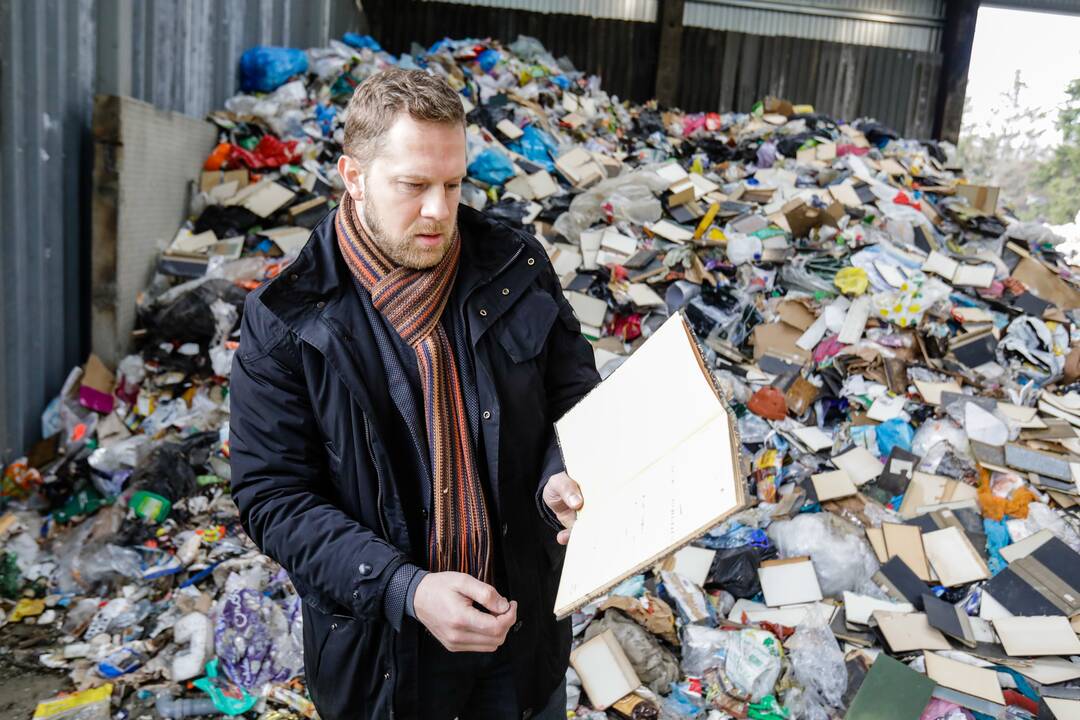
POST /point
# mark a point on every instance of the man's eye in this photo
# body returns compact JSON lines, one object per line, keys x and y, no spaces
{"x":453,"y":186}
{"x":410,"y":186}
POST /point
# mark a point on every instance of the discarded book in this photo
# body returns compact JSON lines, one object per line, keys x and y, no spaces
{"x":644,"y":501}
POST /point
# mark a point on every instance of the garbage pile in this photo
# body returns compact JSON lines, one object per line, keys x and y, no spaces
{"x":901,"y":353}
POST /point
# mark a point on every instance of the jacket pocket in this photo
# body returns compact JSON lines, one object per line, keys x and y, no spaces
{"x":526,"y":326}
{"x":338,"y":678}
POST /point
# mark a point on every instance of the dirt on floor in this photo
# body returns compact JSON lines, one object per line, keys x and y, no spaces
{"x":24,"y":682}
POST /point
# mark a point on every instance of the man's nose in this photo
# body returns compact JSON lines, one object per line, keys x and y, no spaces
{"x":435,"y":206}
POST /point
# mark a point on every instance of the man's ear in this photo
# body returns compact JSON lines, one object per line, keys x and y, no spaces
{"x":352,"y":174}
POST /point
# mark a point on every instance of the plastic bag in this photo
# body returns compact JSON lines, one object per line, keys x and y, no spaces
{"x":894,"y":433}
{"x":735,"y":570}
{"x":818,"y":665}
{"x":703,"y":648}
{"x":935,"y":432}
{"x":906,"y":307}
{"x":630,"y":197}
{"x":264,"y":69}
{"x":753,"y":663}
{"x":842,"y":558}
{"x":537,"y":146}
{"x":1030,"y":347}
{"x":491,"y":167}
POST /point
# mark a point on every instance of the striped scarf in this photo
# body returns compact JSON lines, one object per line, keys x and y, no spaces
{"x":413,"y":301}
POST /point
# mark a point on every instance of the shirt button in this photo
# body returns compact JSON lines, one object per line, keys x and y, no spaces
{"x":532,"y":261}
{"x":506,"y":291}
{"x":483,"y":312}
{"x":364,"y":569}
{"x":487,"y":414}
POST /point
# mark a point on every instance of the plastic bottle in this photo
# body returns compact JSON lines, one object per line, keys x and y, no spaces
{"x":170,"y":707}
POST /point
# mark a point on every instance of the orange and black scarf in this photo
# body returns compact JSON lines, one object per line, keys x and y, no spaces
{"x":412,"y":301}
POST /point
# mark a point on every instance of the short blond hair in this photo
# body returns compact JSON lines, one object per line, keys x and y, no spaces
{"x":377,"y":101}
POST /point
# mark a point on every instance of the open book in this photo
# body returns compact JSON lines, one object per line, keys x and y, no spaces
{"x":654,"y":450}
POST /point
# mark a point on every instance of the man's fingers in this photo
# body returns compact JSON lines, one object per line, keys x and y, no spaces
{"x":561,"y":489}
{"x":563,"y":537}
{"x":483,"y":626}
{"x":482,"y":593}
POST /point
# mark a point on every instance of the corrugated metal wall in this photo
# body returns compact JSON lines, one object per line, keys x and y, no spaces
{"x":632,"y":10}
{"x":899,"y":24}
{"x":730,"y":71}
{"x":54,"y":56}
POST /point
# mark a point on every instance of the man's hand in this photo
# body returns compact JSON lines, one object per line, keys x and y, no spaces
{"x":563,"y":496}
{"x":444,"y":604}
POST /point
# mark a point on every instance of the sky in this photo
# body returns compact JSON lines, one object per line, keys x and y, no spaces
{"x":1044,"y":47}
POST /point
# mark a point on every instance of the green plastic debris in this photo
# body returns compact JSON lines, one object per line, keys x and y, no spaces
{"x":84,"y":502}
{"x":150,"y":506}
{"x":10,"y":577}
{"x":227,"y":697}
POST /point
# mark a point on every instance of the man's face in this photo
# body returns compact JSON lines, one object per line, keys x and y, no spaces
{"x":408,"y":194}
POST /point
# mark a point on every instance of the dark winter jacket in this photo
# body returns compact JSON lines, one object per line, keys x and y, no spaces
{"x":325,"y":475}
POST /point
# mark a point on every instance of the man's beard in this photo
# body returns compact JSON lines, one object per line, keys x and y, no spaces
{"x":405,"y":251}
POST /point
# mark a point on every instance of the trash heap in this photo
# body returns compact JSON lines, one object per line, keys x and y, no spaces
{"x":901,"y":353}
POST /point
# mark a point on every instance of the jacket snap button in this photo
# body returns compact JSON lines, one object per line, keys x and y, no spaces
{"x":364,"y":569}
{"x":386,"y":676}
{"x":487,"y":414}
{"x":532,"y":261}
{"x":483,"y":312}
{"x":321,"y":304}
{"x":506,"y":291}
{"x":293,"y":277}
{"x":506,"y":529}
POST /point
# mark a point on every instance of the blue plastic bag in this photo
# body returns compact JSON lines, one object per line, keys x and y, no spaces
{"x":894,"y":433}
{"x":265,"y":69}
{"x":491,"y":167}
{"x":536,"y":146}
{"x":361,"y":41}
{"x":489,"y":59}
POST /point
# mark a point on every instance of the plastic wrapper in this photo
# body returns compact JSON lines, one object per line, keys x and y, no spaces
{"x":264,"y":69}
{"x":253,"y":639}
{"x":818,"y":665}
{"x":767,"y":473}
{"x":86,"y":705}
{"x":842,"y":558}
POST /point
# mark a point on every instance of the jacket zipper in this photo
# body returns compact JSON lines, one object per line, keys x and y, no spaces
{"x":378,"y":478}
